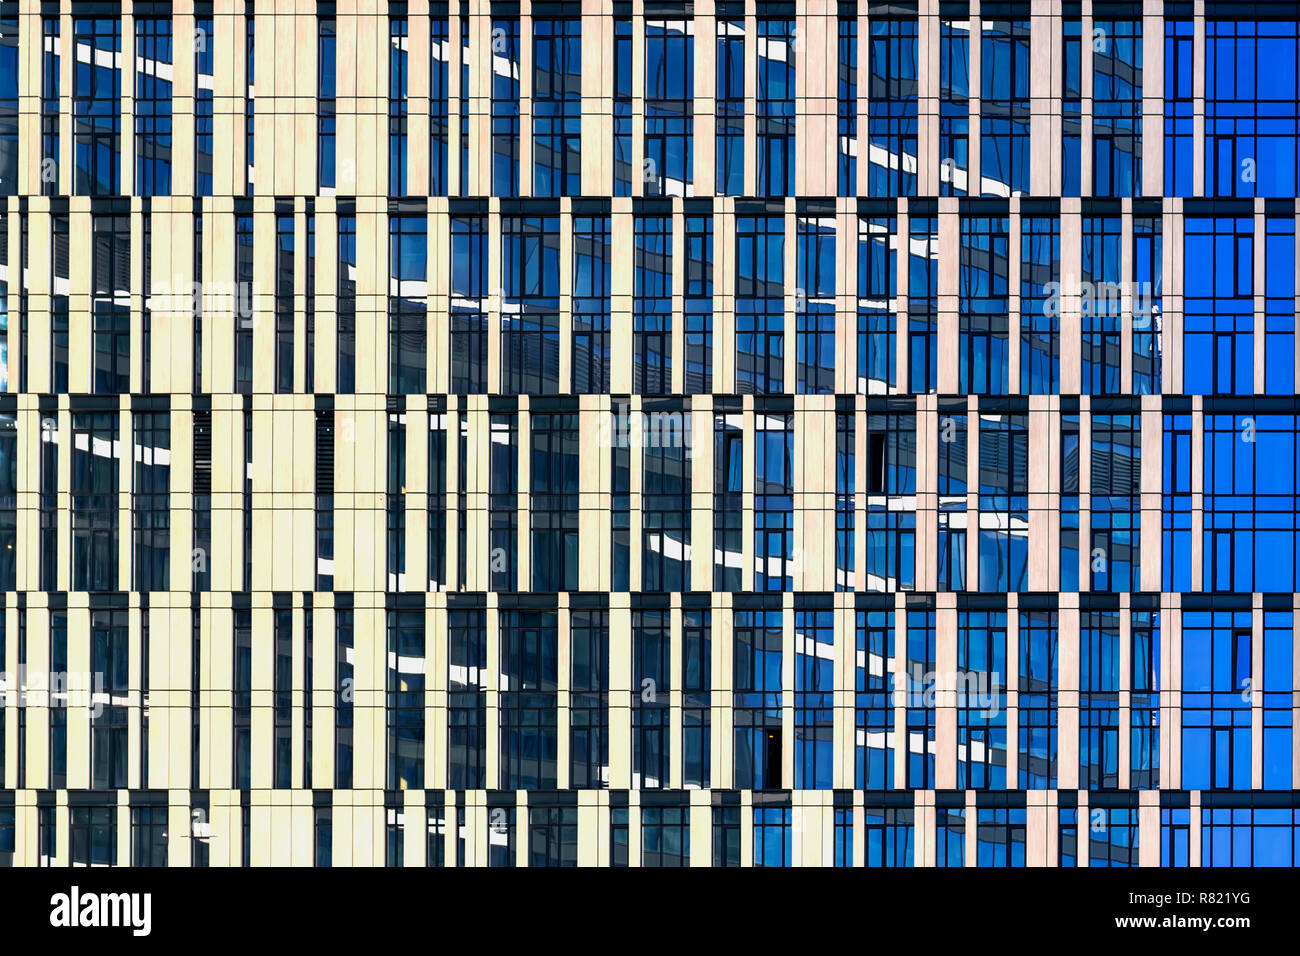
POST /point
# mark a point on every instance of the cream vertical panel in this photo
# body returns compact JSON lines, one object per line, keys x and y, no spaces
{"x":496,"y":293}
{"x":702,"y":465}
{"x":372,"y":86}
{"x":928,"y":433}
{"x":752,"y":42}
{"x":1124,"y":754}
{"x":491,"y":688}
{"x":1085,"y":496}
{"x":436,"y":673}
{"x":596,"y":484}
{"x":67,"y":56}
{"x":846,"y":289}
{"x":1198,"y":97}
{"x":1171,"y":677}
{"x":1087,"y":52}
{"x":795,"y":299}
{"x":135,"y":696}
{"x":526,"y":98}
{"x":927,"y":76}
{"x":184,"y":64}
{"x":80,"y":259}
{"x":1151,"y":484}
{"x":817,"y":105}
{"x":438,"y":285}
{"x":171,"y":356}
{"x":566,"y":295}
{"x":748,"y":481}
{"x":30,"y":55}
{"x":638,"y":427}
{"x":640,"y":169}
{"x":372,"y":296}
{"x":597,"y":103}
{"x":292,"y":61}
{"x":370,"y":639}
{"x":323,"y":690}
{"x":1171,"y":338}
{"x":676,"y":685}
{"x":1259,"y":248}
{"x":1071,"y":276}
{"x":303,"y":493}
{"x":705,"y":113}
{"x":79,"y":662}
{"x":1198,"y":491}
{"x":171,"y":653}
{"x":38,"y":679}
{"x":722,"y":653}
{"x":217,"y":698}
{"x":480,"y":122}
{"x":898,"y":667}
{"x":945,"y":712}
{"x":974,"y":171}
{"x":862,"y":144}
{"x":1045,"y":99}
{"x":1153,"y":103}
{"x":859,"y":578}
{"x":126,"y":65}
{"x":789,"y":647}
{"x":123,"y":452}
{"x":218,"y":273}
{"x":1126,"y":297}
{"x":524,"y":551}
{"x":262,"y":750}
{"x":620,"y":692}
{"x":724,"y":296}
{"x":563,"y":694}
{"x":974,"y":424}
{"x":477,"y":540}
{"x":229,"y":78}
{"x":843,"y":716}
{"x":347,"y":432}
{"x":949,"y":336}
{"x":39,"y":281}
{"x":326,"y":305}
{"x":64,"y":575}
{"x":416,"y":493}
{"x":455,"y":92}
{"x":1014,"y":266}
{"x":419,"y":64}
{"x":622,"y":288}
{"x":32,"y":435}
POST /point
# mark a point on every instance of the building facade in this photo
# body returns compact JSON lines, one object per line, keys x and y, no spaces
{"x":663,"y":433}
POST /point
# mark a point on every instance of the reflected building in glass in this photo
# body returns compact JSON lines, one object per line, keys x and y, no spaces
{"x":713,"y":433}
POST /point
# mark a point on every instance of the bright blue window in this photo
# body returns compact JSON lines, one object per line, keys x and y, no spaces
{"x":1217,"y":691}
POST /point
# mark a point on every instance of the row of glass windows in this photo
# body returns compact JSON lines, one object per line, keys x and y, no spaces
{"x":1248,"y":501}
{"x":1224,"y":259}
{"x":1228,"y":679}
{"x":1110,"y":837}
{"x":1250,"y":139}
